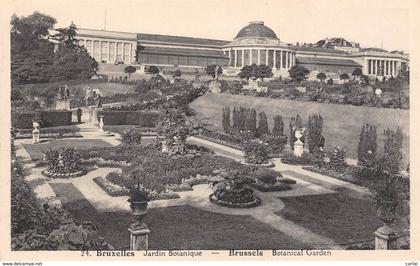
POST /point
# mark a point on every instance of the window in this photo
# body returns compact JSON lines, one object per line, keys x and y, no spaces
{"x":104,"y":55}
{"x":239,"y":63}
{"x":254,"y":59}
{"x":277,"y":59}
{"x":246,"y":57}
{"x":263,"y":56}
{"x":271,"y":58}
{"x":112,"y":51}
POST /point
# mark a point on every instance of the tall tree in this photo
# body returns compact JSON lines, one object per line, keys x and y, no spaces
{"x":71,"y":61}
{"x":32,"y":53}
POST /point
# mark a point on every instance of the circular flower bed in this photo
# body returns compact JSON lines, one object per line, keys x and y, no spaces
{"x":226,"y":202}
{"x":231,"y":192}
{"x":50,"y":174}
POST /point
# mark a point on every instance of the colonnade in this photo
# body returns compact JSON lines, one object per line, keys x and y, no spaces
{"x":110,"y":51}
{"x":383,"y":67}
{"x":276,"y":58}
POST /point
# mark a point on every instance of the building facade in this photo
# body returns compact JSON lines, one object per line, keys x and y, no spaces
{"x":254,"y":44}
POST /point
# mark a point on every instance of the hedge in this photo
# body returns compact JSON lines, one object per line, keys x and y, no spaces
{"x":48,"y":118}
{"x":141,"y":118}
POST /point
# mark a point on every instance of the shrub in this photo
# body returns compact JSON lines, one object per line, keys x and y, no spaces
{"x":392,"y":150}
{"x":278,"y":128}
{"x":255,"y":152}
{"x":131,"y":137}
{"x":290,"y":158}
{"x":367,"y":146}
{"x":23,"y":119}
{"x":62,"y":162}
{"x":275,"y":144}
{"x":330,"y":81}
{"x":316,"y":140}
{"x":226,"y":119}
{"x":55,"y":118}
{"x":177,"y":73}
{"x":141,"y":118}
{"x":337,"y":158}
{"x":266,"y":176}
{"x":153,"y":70}
{"x":262,"y":125}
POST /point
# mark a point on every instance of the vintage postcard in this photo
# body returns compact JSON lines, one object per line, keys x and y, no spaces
{"x":209,"y":130}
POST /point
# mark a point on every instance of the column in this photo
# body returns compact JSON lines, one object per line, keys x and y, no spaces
{"x":109,"y":52}
{"x":236,"y":57}
{"x":116,"y":57}
{"x":281,"y":59}
{"x":250,"y":56}
{"x":130,"y":59}
{"x":93,"y":52}
{"x":266,"y":57}
{"x":259,"y":56}
{"x":274,"y":59}
{"x":243,"y":57}
{"x":378,"y":66}
{"x":287,"y":60}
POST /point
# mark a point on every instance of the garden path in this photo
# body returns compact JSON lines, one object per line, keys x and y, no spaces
{"x":296,"y":172}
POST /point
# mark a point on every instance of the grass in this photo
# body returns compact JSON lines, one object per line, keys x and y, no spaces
{"x":105,"y":87}
{"x":342,"y":123}
{"x":36,"y":151}
{"x":336,"y":216}
{"x":181,"y":227}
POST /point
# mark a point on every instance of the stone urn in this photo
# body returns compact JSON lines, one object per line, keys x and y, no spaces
{"x":35,"y":132}
{"x":298,"y":145}
{"x":139,"y":210}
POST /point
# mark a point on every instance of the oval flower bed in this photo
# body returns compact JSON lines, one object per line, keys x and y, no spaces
{"x":267,"y":180}
{"x":231,"y":192}
{"x":64,"y":163}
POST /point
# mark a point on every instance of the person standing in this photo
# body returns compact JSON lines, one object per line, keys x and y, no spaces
{"x":79,"y":115}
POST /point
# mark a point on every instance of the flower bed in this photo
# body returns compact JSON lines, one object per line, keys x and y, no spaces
{"x":48,"y":135}
{"x":52,"y":174}
{"x":116,"y":191}
{"x":290,"y":158}
{"x":253,"y":203}
{"x":63,"y":163}
{"x":110,"y":188}
{"x":346,"y":176}
{"x":263,"y":187}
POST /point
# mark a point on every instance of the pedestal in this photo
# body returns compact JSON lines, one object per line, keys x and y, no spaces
{"x":298,"y":148}
{"x":95,"y":116}
{"x":62,"y":105}
{"x":385,"y":238}
{"x":35,"y":136}
{"x":215,"y":87}
{"x":139,"y":237}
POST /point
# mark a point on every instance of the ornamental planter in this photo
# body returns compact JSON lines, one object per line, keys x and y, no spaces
{"x":139,"y":209}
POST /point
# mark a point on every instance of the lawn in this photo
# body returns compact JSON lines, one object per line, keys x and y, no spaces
{"x":181,"y":227}
{"x":105,"y":87}
{"x":343,"y":219}
{"x":36,"y":151}
{"x":342,"y":123}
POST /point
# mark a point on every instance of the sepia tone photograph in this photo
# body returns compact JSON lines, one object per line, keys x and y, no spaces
{"x":153,"y":129}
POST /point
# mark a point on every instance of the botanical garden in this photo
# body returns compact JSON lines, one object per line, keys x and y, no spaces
{"x":296,"y":165}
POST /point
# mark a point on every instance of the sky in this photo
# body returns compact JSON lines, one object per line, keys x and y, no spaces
{"x":373,"y":23}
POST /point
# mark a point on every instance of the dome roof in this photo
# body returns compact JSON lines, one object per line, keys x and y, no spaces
{"x":256,"y":29}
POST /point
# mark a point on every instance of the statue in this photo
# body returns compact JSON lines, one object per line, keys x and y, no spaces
{"x":60,"y":93}
{"x":98,"y":98}
{"x":216,"y":74}
{"x":88,"y":95}
{"x":66,"y":95}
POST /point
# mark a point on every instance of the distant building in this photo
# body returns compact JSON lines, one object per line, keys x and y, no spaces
{"x":254,"y":44}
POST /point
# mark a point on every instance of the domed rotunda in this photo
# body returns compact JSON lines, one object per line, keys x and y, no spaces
{"x":258,"y":44}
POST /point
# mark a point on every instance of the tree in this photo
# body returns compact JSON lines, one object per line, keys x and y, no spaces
{"x":71,"y":61}
{"x":392,"y":150}
{"x":32,"y":53}
{"x":298,"y":73}
{"x":130,"y":70}
{"x":278,"y":128}
{"x":316,"y":140}
{"x":262,"y":125}
{"x":263,"y":71}
{"x":321,"y":76}
{"x":211,"y":70}
{"x":357,"y":72}
{"x":226,"y":119}
{"x":177,"y":73}
{"x":153,"y":70}
{"x":246,"y":72}
{"x":344,"y":76}
{"x":366,"y":149}
{"x":330,"y":81}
